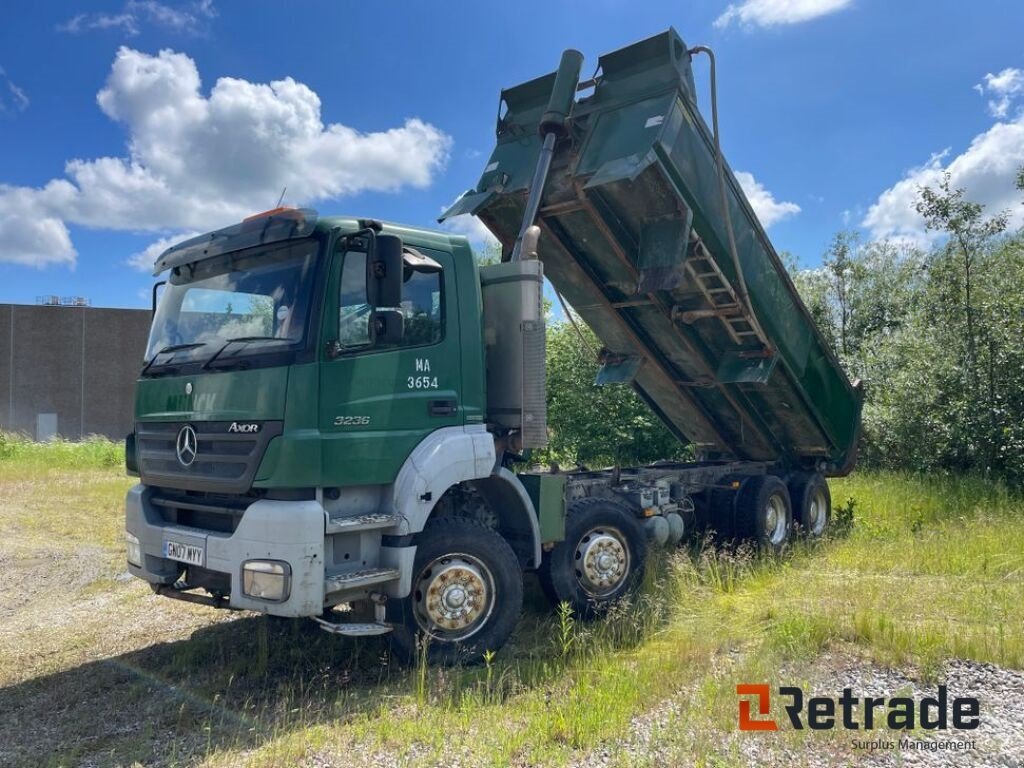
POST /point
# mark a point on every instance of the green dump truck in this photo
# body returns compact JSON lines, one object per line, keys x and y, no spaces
{"x":334,"y":412}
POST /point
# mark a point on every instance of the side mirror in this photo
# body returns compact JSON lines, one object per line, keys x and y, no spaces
{"x":156,"y":297}
{"x":384,"y":272}
{"x":386,"y":326}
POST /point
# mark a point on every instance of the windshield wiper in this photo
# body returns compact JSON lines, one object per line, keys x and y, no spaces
{"x":242,"y":340}
{"x":170,"y":348}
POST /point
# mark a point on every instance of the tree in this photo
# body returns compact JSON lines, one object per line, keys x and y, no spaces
{"x":840,"y":267}
{"x":947,"y":211}
{"x":862,"y":293}
{"x":596,"y":425}
{"x":491,"y":254}
{"x":815,"y":289}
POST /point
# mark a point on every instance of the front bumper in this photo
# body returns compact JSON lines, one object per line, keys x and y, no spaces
{"x":288,"y":531}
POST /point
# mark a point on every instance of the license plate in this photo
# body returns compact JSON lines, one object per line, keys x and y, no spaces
{"x":184,"y":553}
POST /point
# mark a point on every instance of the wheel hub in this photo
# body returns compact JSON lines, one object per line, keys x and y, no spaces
{"x":455,"y":594}
{"x":817,"y":513}
{"x":775,"y":520}
{"x":602,"y":561}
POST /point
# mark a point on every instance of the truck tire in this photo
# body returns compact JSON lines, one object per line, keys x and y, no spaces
{"x":601,"y":559}
{"x":812,"y":503}
{"x":467,"y":594}
{"x":763,"y":511}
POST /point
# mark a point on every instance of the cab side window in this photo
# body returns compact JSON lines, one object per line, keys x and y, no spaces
{"x":421,"y":307}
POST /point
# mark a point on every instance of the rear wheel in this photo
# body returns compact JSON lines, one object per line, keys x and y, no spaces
{"x":601,"y":559}
{"x":764,"y":511}
{"x":467,"y":593}
{"x":812,"y":503}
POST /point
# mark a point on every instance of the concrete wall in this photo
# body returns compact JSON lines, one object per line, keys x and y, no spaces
{"x":77,"y":362}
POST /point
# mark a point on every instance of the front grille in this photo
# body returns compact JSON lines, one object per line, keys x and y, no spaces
{"x":204,"y":511}
{"x":225,"y":462}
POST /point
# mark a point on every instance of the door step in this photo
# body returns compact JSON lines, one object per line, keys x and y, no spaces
{"x":342,"y":582}
{"x":368,"y":522}
{"x":353,"y":629}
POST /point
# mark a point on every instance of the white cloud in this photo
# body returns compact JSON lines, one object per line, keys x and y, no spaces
{"x":480,"y":237}
{"x":470,"y":226}
{"x":770,"y":13}
{"x":189,"y":18}
{"x":146,"y":258}
{"x":1004,"y":87}
{"x":28,"y":236}
{"x":12,"y":98}
{"x":768,"y":209}
{"x":196,"y":161}
{"x":985,"y":170}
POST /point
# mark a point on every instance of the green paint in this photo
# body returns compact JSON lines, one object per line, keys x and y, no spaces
{"x":253,"y":395}
{"x":376,"y":403}
{"x":547,"y":492}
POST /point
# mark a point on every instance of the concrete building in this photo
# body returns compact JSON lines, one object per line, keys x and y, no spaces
{"x":70,"y":370}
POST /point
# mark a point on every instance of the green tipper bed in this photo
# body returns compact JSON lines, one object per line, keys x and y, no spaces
{"x":634,"y":238}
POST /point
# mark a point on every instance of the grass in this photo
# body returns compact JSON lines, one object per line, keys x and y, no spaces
{"x":930,"y":569}
{"x":94,"y":451}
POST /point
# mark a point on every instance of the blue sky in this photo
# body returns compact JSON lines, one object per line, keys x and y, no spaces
{"x":125,"y":124}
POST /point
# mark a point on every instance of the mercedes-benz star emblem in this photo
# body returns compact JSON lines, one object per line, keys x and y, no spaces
{"x":188,"y":388}
{"x":186,"y":446}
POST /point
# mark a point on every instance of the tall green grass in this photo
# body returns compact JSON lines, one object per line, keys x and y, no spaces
{"x":91,"y":452}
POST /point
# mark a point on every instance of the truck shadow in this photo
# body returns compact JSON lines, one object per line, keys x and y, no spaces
{"x":231,"y":685}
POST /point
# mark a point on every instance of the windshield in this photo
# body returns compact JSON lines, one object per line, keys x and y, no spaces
{"x":260,"y":297}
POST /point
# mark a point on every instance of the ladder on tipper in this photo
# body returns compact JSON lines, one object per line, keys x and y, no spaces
{"x":723,"y":302}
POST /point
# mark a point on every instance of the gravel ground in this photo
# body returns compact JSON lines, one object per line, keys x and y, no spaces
{"x":998,"y":741}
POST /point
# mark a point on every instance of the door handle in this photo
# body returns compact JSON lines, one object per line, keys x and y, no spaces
{"x":442,"y":407}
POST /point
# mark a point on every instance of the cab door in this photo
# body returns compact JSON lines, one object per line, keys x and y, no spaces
{"x":378,"y":402}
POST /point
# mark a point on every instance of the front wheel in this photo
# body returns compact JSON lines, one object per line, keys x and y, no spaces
{"x":600,"y":560}
{"x":467,"y":593}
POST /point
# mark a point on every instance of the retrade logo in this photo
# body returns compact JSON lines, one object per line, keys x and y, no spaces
{"x":186,"y":446}
{"x":852,"y":712}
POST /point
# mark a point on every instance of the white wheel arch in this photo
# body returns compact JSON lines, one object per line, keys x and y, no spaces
{"x":454,"y":455}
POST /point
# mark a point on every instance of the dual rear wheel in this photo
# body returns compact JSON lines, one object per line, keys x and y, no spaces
{"x":812,"y":503}
{"x":769,"y":510}
{"x":605,"y":548}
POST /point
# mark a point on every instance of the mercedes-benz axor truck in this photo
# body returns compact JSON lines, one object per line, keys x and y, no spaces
{"x":334,"y":414}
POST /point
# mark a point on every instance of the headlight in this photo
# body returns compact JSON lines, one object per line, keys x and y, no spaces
{"x":266,"y":579}
{"x":134,"y":550}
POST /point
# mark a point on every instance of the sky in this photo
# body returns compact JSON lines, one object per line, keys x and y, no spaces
{"x":126,"y":125}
